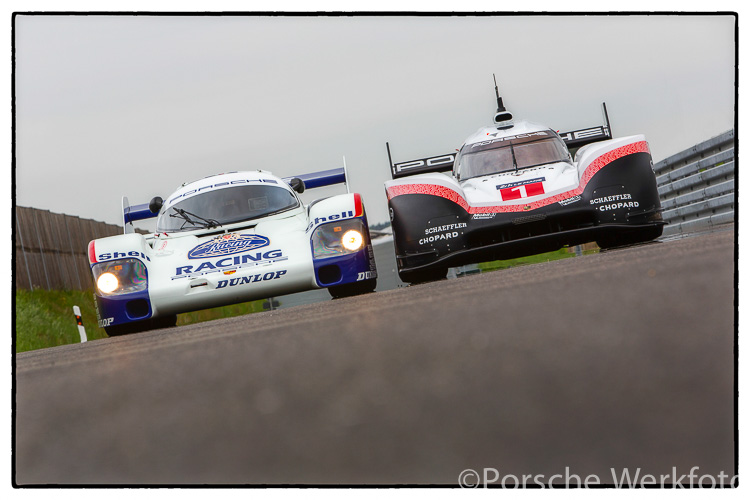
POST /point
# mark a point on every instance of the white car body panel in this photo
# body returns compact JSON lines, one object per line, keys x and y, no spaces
{"x":238,"y":262}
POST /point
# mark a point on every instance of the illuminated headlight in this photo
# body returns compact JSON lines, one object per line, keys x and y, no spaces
{"x":120,"y":276}
{"x":338,"y":238}
{"x":107,"y":283}
{"x":352,"y":240}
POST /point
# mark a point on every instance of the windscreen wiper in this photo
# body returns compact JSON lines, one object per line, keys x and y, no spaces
{"x":513,"y":155}
{"x":187,"y":216}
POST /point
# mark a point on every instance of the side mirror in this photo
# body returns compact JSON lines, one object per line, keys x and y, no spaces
{"x":297,"y":184}
{"x":155,"y":204}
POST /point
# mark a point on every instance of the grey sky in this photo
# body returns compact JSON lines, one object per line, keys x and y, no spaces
{"x":112,"y":106}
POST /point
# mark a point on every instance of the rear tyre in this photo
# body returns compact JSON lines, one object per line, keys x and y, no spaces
{"x":423,"y":276}
{"x":632,"y":238}
{"x":351,"y":289}
{"x":141,"y":326}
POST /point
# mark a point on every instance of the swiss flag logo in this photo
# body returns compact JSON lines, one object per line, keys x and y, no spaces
{"x":523,"y":191}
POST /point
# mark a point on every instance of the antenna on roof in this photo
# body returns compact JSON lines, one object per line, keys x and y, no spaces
{"x":503,"y":117}
{"x":607,"y":128}
{"x":500,"y":106}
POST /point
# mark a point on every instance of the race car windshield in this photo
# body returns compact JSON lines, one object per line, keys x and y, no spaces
{"x":509,"y":157}
{"x":227,"y":206}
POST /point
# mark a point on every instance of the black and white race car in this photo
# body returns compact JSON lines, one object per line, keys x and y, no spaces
{"x":514,"y":189}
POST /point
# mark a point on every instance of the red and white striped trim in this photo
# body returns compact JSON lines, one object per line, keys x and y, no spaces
{"x":452,"y":195}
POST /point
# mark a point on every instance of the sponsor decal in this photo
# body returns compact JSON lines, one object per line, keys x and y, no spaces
{"x":569,"y":201}
{"x":228,"y":244}
{"x":255,"y":278}
{"x":96,"y":307}
{"x":444,"y":232}
{"x":585,"y":133}
{"x":617,"y":206}
{"x":606,"y":206}
{"x":367,"y":275}
{"x":447,"y":227}
{"x":614,"y":197}
{"x":330,"y":218}
{"x":521,"y":189}
{"x":436,"y":237}
{"x":160,"y":249}
{"x":435,"y":161}
{"x":230,"y":263}
{"x":220,"y":185}
{"x":483,"y":216}
{"x":120,"y":255}
{"x":105,"y":322}
{"x":371,"y":257}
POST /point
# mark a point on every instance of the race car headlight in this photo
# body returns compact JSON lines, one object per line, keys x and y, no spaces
{"x":352,"y":240}
{"x":120,"y":276}
{"x":338,"y":238}
{"x":107,"y":283}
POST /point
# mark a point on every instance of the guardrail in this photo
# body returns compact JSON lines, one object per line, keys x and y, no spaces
{"x":696,"y":186}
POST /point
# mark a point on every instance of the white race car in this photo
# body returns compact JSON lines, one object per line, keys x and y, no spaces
{"x":515,"y":189}
{"x":226,"y":239}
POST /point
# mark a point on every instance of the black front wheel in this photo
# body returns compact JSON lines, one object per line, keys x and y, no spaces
{"x":351,"y":289}
{"x":141,"y":326}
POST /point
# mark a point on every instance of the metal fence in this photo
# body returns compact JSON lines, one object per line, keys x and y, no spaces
{"x":696,"y":186}
{"x":50,"y":249}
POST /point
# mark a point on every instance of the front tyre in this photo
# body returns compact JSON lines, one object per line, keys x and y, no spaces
{"x":141,"y":326}
{"x":352,"y":289}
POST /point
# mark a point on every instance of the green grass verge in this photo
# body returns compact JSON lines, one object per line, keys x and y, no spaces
{"x":562,"y":253}
{"x":45,"y":318}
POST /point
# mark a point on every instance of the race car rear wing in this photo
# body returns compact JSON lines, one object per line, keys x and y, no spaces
{"x":579,"y":138}
{"x":137,"y":212}
{"x":442,"y":163}
{"x":322,"y":178}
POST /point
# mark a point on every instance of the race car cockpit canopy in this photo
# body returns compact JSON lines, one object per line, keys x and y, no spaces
{"x":226,"y":205}
{"x":508,"y":153}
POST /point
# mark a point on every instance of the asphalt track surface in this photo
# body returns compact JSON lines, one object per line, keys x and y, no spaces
{"x":623,"y":359}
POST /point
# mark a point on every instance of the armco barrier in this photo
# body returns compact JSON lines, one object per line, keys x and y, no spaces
{"x":696,"y":186}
